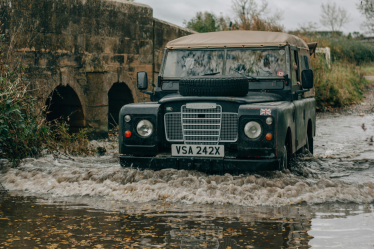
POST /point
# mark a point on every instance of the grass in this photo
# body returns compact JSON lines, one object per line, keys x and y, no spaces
{"x":368,"y":69}
{"x":338,"y":86}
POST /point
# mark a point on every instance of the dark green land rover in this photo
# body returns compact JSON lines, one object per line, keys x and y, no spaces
{"x":231,"y":101}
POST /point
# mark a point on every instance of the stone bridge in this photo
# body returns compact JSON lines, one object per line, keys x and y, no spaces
{"x":82,"y":56}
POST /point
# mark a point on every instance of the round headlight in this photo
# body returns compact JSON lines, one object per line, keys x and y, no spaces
{"x":144,"y":128}
{"x":269,"y":120}
{"x":252,"y":129}
{"x":127,"y":118}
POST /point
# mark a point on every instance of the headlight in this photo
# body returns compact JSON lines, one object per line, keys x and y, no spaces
{"x":252,"y":129}
{"x":144,"y":128}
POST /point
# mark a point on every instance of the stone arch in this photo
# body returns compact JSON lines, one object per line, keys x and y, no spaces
{"x":121,"y":76}
{"x":118,"y":96}
{"x":63,"y":104}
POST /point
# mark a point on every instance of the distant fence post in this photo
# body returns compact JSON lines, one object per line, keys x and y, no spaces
{"x":326,"y":52}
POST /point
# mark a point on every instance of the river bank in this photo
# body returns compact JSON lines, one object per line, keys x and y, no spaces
{"x":365,"y":107}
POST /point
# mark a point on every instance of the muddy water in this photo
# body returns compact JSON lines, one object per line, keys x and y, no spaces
{"x":335,"y":191}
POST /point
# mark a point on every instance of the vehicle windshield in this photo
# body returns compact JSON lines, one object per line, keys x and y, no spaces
{"x":249,"y":62}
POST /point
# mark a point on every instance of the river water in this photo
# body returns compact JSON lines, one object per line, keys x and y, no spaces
{"x":323,"y":201}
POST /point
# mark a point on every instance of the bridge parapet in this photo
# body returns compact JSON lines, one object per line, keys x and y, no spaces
{"x":88,"y":45}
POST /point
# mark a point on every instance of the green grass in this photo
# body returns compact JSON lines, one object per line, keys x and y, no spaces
{"x":368,"y":69}
{"x":338,"y":86}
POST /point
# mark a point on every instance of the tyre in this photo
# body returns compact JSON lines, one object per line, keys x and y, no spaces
{"x":283,"y":165}
{"x":213,"y":86}
{"x":310,"y":141}
{"x":308,"y":147}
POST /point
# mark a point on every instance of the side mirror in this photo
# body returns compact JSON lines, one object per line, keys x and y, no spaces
{"x":307,"y":78}
{"x":142,"y":80}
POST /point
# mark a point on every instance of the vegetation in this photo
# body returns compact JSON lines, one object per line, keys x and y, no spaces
{"x":333,"y":17}
{"x":248,"y":16}
{"x":340,"y":85}
{"x":343,"y":82}
{"x":203,"y":22}
{"x":351,"y":50}
{"x":367,"y":9}
{"x":24,"y":131}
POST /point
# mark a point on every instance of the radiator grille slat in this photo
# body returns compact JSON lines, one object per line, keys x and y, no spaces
{"x":201,"y":126}
{"x":204,"y":117}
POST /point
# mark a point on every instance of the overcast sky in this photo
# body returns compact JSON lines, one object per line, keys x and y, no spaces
{"x":295,"y":11}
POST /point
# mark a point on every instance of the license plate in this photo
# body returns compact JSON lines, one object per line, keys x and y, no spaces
{"x":198,"y":150}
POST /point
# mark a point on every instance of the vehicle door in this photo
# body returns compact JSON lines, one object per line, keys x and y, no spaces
{"x":299,"y":102}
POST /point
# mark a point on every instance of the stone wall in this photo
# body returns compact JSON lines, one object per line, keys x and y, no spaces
{"x":89,"y":45}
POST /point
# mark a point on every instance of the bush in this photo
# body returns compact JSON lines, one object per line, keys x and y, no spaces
{"x":24,"y":131}
{"x":351,"y":50}
{"x":338,"y":86}
{"x":68,"y":143}
{"x":22,"y":126}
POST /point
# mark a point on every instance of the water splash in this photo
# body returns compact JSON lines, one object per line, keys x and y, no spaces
{"x":338,"y":173}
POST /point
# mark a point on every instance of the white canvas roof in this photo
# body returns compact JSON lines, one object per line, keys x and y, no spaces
{"x":238,"y":38}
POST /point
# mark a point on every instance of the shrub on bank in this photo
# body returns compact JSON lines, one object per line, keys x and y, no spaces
{"x":338,"y":86}
{"x":22,"y":127}
{"x":342,"y":84}
{"x":353,"y":51}
{"x":24,"y":130}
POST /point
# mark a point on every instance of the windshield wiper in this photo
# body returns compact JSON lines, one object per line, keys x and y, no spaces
{"x":206,"y":74}
{"x":245,"y":75}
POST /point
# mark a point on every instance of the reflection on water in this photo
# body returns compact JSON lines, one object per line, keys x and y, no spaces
{"x":94,"y":222}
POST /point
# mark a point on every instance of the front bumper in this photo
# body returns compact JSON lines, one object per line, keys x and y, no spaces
{"x":208,"y":165}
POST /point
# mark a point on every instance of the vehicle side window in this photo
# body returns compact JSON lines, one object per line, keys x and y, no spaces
{"x":304,"y":63}
{"x":295,"y":73}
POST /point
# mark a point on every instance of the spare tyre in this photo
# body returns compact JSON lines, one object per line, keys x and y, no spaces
{"x":213,"y":86}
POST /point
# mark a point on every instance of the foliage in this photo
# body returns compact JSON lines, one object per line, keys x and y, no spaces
{"x":338,"y":86}
{"x":308,"y":27}
{"x":22,"y":128}
{"x":333,"y":17}
{"x":24,"y":131}
{"x":367,"y":9}
{"x":259,"y":24}
{"x":342,"y":49}
{"x":351,"y":50}
{"x":248,"y":16}
{"x":68,"y":143}
{"x":203,"y":22}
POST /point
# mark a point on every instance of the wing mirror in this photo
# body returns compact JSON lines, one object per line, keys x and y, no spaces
{"x":142,"y":80}
{"x":307,"y":78}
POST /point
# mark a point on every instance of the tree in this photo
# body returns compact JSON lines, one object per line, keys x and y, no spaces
{"x":203,"y":22}
{"x":333,"y":17}
{"x":245,"y":9}
{"x":366,"y":7}
{"x":252,"y":16}
{"x":308,"y":27}
{"x":248,"y":16}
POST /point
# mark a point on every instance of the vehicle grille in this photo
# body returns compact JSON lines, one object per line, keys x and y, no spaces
{"x":201,"y":126}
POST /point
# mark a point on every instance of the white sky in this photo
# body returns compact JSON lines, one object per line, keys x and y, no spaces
{"x":295,"y":11}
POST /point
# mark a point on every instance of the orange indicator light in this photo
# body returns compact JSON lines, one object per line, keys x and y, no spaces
{"x":269,"y":136}
{"x":128,"y":134}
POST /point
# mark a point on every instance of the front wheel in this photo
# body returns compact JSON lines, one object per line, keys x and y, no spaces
{"x":308,"y":147}
{"x":283,"y":165}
